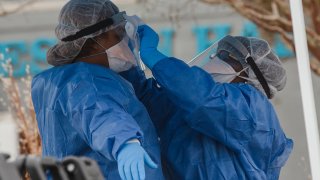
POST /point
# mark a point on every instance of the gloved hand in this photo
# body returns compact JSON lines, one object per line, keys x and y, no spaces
{"x":131,"y":159}
{"x":149,"y":40}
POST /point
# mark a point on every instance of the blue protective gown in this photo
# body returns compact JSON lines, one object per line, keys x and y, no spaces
{"x":88,"y":110}
{"x":210,"y":130}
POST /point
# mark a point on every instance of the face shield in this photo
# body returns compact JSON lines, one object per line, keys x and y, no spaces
{"x":211,"y":60}
{"x":130,"y":39}
{"x":205,"y":56}
{"x":133,"y":22}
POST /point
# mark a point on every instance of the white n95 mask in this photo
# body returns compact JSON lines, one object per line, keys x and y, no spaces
{"x":120,"y":56}
{"x":221,"y":71}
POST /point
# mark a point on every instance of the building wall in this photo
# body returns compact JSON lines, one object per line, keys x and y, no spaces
{"x":183,"y":35}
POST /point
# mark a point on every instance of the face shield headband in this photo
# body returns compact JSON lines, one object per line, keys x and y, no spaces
{"x":114,"y":20}
{"x":248,"y":60}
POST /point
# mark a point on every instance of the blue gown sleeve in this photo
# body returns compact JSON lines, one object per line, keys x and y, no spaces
{"x":158,"y":105}
{"x":97,"y":109}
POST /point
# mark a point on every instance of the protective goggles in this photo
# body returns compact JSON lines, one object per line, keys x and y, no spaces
{"x":210,"y":53}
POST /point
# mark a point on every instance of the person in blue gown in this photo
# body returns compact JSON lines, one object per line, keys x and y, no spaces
{"x":215,"y":122}
{"x":83,"y":107}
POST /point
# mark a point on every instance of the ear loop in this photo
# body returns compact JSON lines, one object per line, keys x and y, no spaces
{"x":97,"y":53}
{"x":243,"y":68}
{"x":99,"y":44}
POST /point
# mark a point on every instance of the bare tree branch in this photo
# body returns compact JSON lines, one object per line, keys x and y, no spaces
{"x":22,"y":5}
{"x":315,"y":16}
{"x":274,"y":16}
{"x":213,"y":1}
{"x":315,"y":66}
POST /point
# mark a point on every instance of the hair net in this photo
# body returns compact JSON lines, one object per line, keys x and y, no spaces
{"x":266,"y":60}
{"x":74,"y":16}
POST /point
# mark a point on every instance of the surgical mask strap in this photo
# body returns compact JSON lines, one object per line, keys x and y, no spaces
{"x":93,"y":55}
{"x":238,"y":73}
{"x":98,"y":43}
{"x":97,"y":53}
{"x":249,"y":79}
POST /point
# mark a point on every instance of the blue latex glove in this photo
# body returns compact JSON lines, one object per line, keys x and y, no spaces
{"x":131,"y":159}
{"x":149,"y":41}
